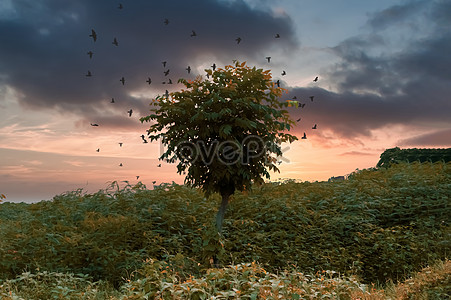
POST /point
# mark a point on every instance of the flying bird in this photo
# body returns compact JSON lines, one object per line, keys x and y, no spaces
{"x":316,"y":79}
{"x":284,"y":73}
{"x":115,"y":42}
{"x":90,"y":53}
{"x":164,"y":64}
{"x":120,"y":165}
{"x":169,"y":81}
{"x":298,"y":120}
{"x":159,"y":165}
{"x":93,"y":35}
{"x":120,"y":144}
{"x":213,"y":66}
{"x":193,"y":33}
{"x":166,"y":21}
{"x":95,"y":124}
{"x":98,"y":150}
{"x":137,"y":177}
{"x":120,"y":6}
{"x":166,"y":94}
{"x":153,"y":182}
{"x":301,"y":105}
{"x":122,"y":80}
{"x":278,"y":83}
{"x":277,"y":36}
{"x":188,"y":69}
{"x":311,"y":98}
{"x":88,"y":74}
{"x":314,"y":127}
{"x":166,"y":72}
{"x":304,"y":137}
{"x":149,"y":81}
{"x":130,"y":112}
{"x":112,"y":100}
{"x":238,"y":40}
{"x":268,"y":58}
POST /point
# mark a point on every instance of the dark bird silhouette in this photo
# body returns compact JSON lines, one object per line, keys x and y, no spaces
{"x":193,"y":33}
{"x":112,"y":100}
{"x":238,"y":40}
{"x":311,"y":98}
{"x":145,"y":142}
{"x":137,"y":177}
{"x":95,"y":124}
{"x":188,"y":69}
{"x":153,"y":182}
{"x":284,"y":73}
{"x":166,"y":72}
{"x":120,"y":144}
{"x":278,"y":83}
{"x":120,"y":165}
{"x":93,"y":35}
{"x":304,"y":137}
{"x":166,"y":21}
{"x":301,"y":105}
{"x":268,"y":58}
{"x":298,"y":120}
{"x":164,"y":64}
{"x":120,"y":6}
{"x":142,"y":136}
{"x":213,"y":66}
{"x":316,"y":79}
{"x":90,"y":53}
{"x":88,"y":74}
{"x":98,"y":150}
{"x":166,"y":94}
{"x":159,"y":165}
{"x":277,"y":36}
{"x":149,"y":81}
{"x":115,"y":42}
{"x":294,"y":97}
{"x":169,"y":81}
{"x":130,"y":112}
{"x":122,"y":80}
{"x":314,"y":127}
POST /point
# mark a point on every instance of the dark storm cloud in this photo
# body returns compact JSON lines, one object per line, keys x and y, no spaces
{"x":45,"y":44}
{"x":376,"y":90}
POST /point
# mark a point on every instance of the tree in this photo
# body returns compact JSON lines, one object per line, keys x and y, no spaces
{"x":224,"y":130}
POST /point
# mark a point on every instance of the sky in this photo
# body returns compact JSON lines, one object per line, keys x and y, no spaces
{"x":383,"y":72}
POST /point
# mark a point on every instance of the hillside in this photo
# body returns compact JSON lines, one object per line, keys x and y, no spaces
{"x":375,"y":227}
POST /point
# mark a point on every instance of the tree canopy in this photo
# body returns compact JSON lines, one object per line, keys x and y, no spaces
{"x":224,"y":130}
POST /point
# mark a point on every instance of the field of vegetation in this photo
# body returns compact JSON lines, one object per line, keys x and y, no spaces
{"x":380,"y":234}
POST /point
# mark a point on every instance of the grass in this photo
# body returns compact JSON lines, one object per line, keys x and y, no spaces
{"x":380,"y":234}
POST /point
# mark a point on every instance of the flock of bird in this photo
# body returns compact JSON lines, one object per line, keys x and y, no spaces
{"x":166,"y":72}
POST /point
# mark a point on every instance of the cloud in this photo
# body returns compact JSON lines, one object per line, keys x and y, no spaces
{"x":439,"y":138}
{"x":44,"y":47}
{"x":375,"y":89}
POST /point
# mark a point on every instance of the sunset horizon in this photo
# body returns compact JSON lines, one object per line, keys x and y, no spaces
{"x":76,"y":79}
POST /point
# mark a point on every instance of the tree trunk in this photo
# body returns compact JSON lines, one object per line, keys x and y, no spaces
{"x":221,"y":212}
{"x":226,"y":190}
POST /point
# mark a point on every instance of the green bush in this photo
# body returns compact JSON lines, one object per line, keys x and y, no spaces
{"x":378,"y":225}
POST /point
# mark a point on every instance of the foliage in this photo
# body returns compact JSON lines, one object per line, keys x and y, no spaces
{"x":378,"y":225}
{"x":223,"y":130}
{"x":159,"y":280}
{"x":52,"y":285}
{"x":396,"y":155}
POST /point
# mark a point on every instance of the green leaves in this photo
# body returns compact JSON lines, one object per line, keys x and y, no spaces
{"x":235,"y":103}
